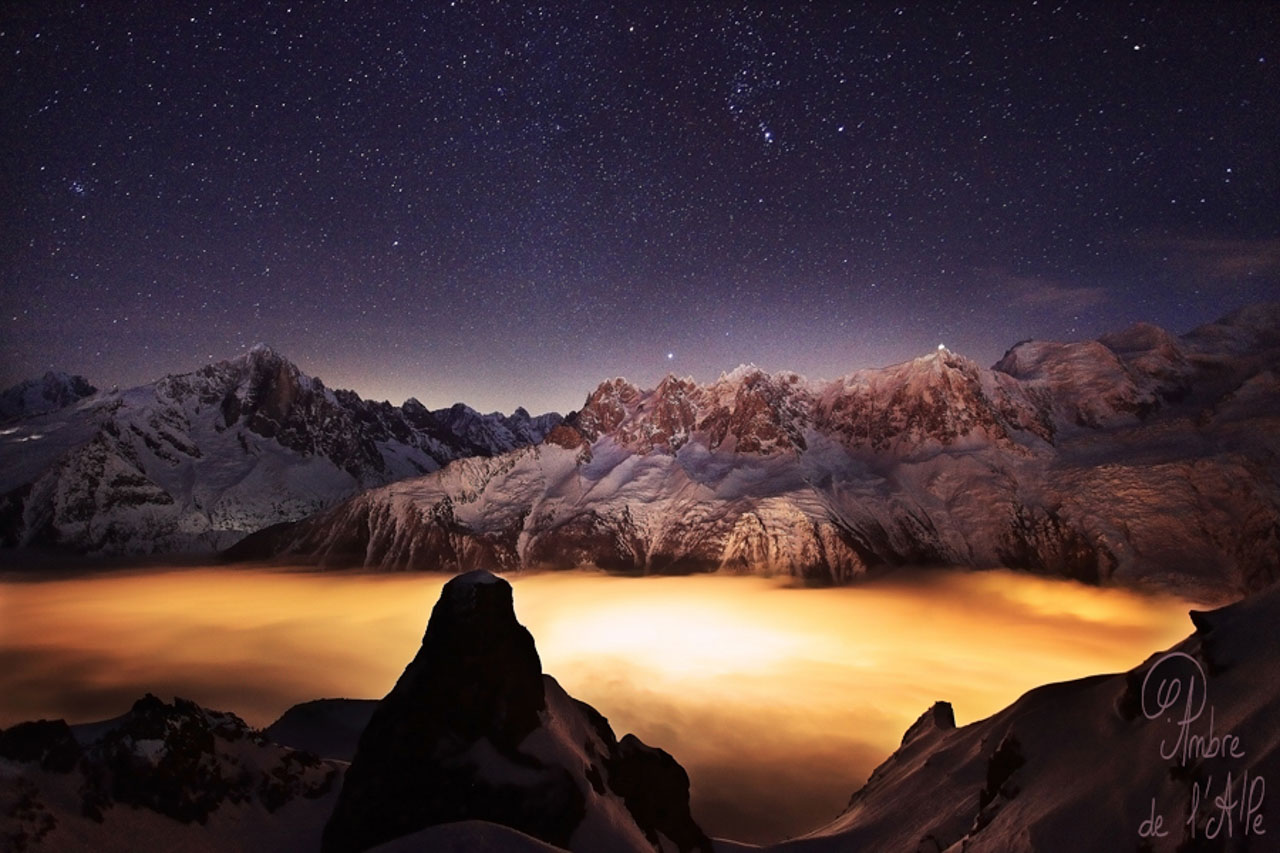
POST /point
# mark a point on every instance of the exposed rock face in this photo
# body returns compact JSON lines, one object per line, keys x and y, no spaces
{"x":196,"y":461}
{"x":1146,"y":461}
{"x":474,"y":731}
{"x":171,"y":766}
{"x":1081,"y":765}
{"x":940,"y":717}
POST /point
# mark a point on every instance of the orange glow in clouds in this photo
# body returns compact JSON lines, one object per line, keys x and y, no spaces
{"x":779,"y":701}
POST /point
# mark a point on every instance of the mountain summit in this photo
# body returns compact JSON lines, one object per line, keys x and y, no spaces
{"x":49,"y":393}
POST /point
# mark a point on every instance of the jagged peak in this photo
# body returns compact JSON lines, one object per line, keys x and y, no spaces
{"x":741,"y":372}
{"x":462,"y":410}
{"x":940,"y":359}
{"x":617,"y":387}
{"x":258,"y":357}
{"x":671,"y":381}
{"x":617,"y":382}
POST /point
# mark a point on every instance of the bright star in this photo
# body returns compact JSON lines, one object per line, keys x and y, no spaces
{"x":670,"y":356}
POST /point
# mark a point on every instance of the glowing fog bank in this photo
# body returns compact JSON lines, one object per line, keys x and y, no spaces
{"x":779,"y":701}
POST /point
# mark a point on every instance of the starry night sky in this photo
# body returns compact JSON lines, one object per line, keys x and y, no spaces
{"x":505,"y":203}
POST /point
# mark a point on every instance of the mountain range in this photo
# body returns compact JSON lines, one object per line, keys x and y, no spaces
{"x":1141,"y":458}
{"x":194,"y":462}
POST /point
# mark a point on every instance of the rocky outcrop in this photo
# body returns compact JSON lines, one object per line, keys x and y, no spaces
{"x":193,"y":462}
{"x":474,"y":731}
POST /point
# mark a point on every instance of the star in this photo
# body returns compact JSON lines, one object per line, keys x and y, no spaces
{"x":427,"y":208}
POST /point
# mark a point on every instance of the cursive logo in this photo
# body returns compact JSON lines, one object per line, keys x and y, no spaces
{"x":1176,"y":690}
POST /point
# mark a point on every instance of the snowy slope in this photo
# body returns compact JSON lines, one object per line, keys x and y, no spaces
{"x":1080,"y":766}
{"x":1148,"y":461}
{"x":194,"y":462}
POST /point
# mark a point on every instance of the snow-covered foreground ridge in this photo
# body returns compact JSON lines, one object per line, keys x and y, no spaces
{"x":1140,"y":459}
{"x":194,"y":462}
{"x":1179,"y":753}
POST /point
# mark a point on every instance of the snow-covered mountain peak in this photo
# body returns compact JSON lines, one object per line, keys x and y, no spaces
{"x":1040,"y":360}
{"x":262,"y":358}
{"x":53,"y":391}
{"x":738,"y":374}
{"x":749,"y":410}
{"x":747,"y":405}
{"x":670,"y":383}
{"x":1251,"y":328}
{"x":939,"y":718}
{"x":942,"y":359}
{"x":1140,"y":337}
{"x":1093,"y":383}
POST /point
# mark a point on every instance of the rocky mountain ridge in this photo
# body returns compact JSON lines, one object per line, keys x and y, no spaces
{"x":162,"y":776}
{"x":193,"y":462}
{"x":1140,"y":459}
